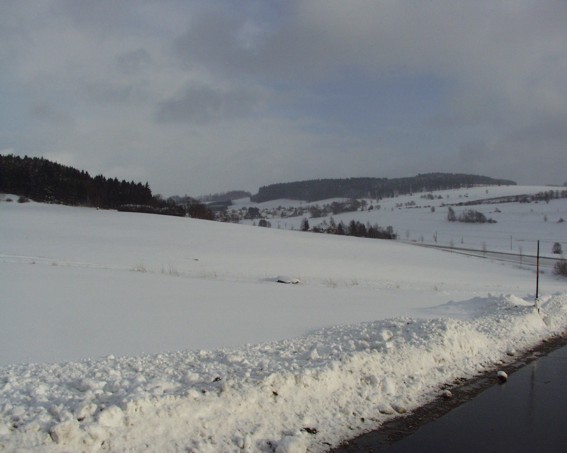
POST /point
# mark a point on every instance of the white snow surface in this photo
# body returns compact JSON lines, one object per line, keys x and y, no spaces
{"x":133,"y":332}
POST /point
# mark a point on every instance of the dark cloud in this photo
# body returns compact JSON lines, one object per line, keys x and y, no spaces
{"x":285,"y":90}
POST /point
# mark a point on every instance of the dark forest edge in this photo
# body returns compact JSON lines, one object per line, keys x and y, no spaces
{"x":44,"y":181}
{"x":377,"y":188}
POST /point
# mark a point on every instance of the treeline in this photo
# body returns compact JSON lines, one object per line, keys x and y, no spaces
{"x":354,"y":228}
{"x":545,"y":196}
{"x":468,"y":216}
{"x":322,"y":189}
{"x":194,"y":210}
{"x":44,"y":181}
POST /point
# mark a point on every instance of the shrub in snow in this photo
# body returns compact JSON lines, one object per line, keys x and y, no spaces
{"x":556,"y":249}
{"x":288,"y":280}
{"x":472,"y":216}
{"x":451,"y":216}
{"x":560,"y":268}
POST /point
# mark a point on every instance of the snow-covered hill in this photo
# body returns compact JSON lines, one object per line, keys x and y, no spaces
{"x":136,"y":332}
{"x":422,"y":218}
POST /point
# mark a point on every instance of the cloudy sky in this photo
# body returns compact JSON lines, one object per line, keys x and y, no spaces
{"x":202,"y":96}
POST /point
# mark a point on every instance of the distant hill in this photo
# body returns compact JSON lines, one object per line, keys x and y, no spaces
{"x":321,"y":189}
{"x":225,"y":196}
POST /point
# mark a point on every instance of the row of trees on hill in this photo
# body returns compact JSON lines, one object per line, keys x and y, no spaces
{"x":322,"y":189}
{"x":545,"y":196}
{"x":41,"y":180}
{"x":468,"y":216}
{"x":354,"y":228}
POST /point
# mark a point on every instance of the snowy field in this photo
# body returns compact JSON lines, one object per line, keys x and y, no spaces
{"x":133,"y":332}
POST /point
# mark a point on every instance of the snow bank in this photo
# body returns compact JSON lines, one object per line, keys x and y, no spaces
{"x":287,"y":396}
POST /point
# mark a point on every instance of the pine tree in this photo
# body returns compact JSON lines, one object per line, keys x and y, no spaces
{"x":451,"y":216}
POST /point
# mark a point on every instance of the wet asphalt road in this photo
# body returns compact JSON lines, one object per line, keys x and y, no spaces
{"x":528,"y":413}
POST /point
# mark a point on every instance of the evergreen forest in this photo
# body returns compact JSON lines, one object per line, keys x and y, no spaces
{"x":323,"y":189}
{"x":45,"y":181}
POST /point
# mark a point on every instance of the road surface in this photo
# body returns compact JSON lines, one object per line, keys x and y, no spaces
{"x":528,"y":413}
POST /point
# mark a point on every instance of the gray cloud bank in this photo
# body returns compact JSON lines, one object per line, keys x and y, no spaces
{"x":200,"y":96}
